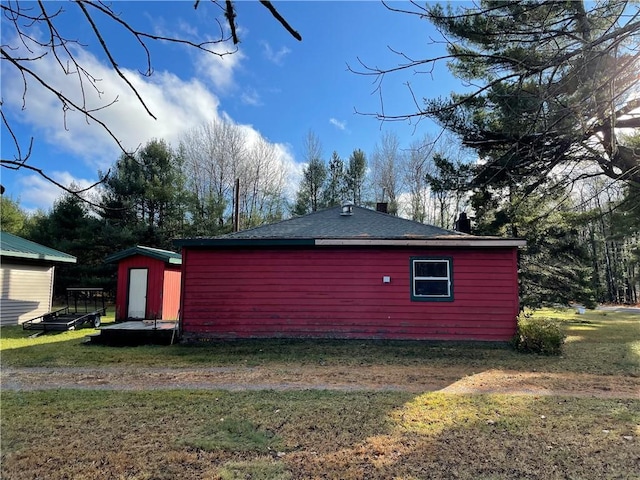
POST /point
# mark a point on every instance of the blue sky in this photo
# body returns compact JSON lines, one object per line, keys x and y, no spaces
{"x":275,"y":85}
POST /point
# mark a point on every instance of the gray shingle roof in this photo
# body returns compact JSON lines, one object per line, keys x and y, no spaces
{"x":18,"y":247}
{"x":364,"y":227}
{"x":329,"y":223}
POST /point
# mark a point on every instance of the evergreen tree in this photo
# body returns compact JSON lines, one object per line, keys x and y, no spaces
{"x":335,"y":190}
{"x":311,"y":192}
{"x":448,"y":184}
{"x":555,"y":267}
{"x":355,"y":176}
{"x":144,"y":197}
{"x":557,"y":78}
{"x":614,"y":237}
{"x":70,"y":228}
{"x":310,"y":196}
{"x":550,"y":85}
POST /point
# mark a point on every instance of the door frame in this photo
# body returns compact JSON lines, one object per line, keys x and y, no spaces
{"x":146,"y":293}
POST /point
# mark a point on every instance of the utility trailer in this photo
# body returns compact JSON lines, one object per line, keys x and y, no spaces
{"x":84,"y":306}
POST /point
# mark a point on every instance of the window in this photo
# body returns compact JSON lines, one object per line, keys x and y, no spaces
{"x":431,"y":279}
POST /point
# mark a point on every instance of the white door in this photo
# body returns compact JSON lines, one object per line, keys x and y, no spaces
{"x":137,"y":293}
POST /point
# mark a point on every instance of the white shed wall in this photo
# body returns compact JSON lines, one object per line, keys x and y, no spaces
{"x":25,"y":292}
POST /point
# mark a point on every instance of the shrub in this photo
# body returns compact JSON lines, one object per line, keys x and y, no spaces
{"x":538,"y":335}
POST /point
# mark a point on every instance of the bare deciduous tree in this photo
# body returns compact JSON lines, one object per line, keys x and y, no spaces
{"x":386,"y":170}
{"x":262,"y":185}
{"x":418,"y":164}
{"x":215,"y":156}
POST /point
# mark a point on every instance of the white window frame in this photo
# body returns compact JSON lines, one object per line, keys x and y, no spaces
{"x":448,"y":261}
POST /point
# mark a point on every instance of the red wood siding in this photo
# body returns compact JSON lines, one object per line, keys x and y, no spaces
{"x":155,"y":281}
{"x":339,"y":293}
{"x":171,"y":293}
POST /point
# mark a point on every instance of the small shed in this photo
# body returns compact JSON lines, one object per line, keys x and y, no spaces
{"x":350,"y":272}
{"x":27,"y":272}
{"x":149,"y":282}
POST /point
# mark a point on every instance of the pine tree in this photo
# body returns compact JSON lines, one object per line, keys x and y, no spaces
{"x":335,"y":190}
{"x":355,"y":176}
{"x":144,"y":198}
{"x":310,"y":196}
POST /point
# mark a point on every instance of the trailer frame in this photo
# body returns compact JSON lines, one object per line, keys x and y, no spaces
{"x":85,"y":306}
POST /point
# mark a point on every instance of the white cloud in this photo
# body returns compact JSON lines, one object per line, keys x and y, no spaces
{"x":178,"y":105}
{"x":219,"y":70}
{"x":273,"y":56}
{"x":37,"y":193}
{"x":340,"y":125}
{"x":251,"y":97}
{"x":217,"y":65}
{"x":183,"y":27}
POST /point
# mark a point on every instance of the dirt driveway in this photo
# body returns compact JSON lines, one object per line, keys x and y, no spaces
{"x":289,"y":377}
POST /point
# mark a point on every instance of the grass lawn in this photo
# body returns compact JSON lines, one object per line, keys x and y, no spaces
{"x":315,"y":434}
{"x":598,"y":342}
{"x":309,"y":434}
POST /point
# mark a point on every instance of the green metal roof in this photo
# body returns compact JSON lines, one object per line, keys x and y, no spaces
{"x":17,"y":247}
{"x":157,"y":253}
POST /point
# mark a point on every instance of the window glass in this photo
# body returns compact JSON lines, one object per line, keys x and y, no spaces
{"x":431,"y":279}
{"x":431,"y":269}
{"x":431,"y":287}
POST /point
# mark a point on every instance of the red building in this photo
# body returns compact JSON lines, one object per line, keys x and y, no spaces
{"x":148,"y":283}
{"x":350,"y":273}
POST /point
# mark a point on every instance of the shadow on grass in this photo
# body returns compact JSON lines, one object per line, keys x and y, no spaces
{"x":315,"y":434}
{"x":17,"y":333}
{"x":598,"y":342}
{"x":187,"y":433}
{"x":492,"y":436}
{"x":71,"y":348}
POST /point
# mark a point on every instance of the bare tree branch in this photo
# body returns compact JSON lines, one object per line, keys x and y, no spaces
{"x":230,"y":14}
{"x":269,"y":6}
{"x":16,"y":165}
{"x":37,"y":34}
{"x":578,"y":68}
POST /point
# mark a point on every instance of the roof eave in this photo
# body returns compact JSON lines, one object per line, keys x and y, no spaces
{"x":244,"y":242}
{"x":35,"y":256}
{"x":462,"y":241}
{"x":457,"y":241}
{"x":145,"y":252}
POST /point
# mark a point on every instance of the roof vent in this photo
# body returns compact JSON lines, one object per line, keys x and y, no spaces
{"x":347,"y":208}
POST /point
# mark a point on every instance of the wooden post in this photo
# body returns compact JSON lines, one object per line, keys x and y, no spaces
{"x":236,"y":206}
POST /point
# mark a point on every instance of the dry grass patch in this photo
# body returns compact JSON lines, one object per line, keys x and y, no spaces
{"x":308,"y":434}
{"x":258,"y":469}
{"x":440,"y":436}
{"x":315,"y":434}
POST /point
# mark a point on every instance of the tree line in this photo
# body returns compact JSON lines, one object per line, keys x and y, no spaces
{"x":582,"y":242}
{"x":219,"y":175}
{"x":543,"y":144}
